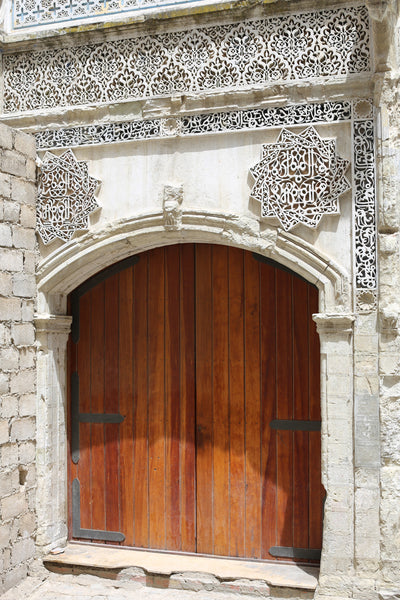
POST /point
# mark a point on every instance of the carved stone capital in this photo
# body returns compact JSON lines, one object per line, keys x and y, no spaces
{"x":389,"y":318}
{"x":334,"y":324}
{"x":52,"y":325}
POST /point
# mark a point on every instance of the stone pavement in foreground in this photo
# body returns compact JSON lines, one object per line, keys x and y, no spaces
{"x":88,"y":587}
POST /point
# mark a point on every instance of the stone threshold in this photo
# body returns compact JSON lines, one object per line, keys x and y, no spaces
{"x":187,"y":572}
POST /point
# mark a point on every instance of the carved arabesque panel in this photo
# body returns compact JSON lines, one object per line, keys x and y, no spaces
{"x":299,"y":178}
{"x":65,"y":197}
{"x":260,"y":52}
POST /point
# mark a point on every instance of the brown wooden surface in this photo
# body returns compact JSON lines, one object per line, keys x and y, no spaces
{"x":200,"y":347}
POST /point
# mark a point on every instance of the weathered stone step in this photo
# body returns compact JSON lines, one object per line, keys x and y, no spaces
{"x":188,"y":572}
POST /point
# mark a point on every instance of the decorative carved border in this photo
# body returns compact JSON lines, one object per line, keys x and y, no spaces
{"x":31,"y":13}
{"x":298,"y":47}
{"x":357,"y":112}
{"x":221,"y":122}
{"x":365,"y":240}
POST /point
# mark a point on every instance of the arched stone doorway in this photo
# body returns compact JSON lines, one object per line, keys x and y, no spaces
{"x":195,"y":405}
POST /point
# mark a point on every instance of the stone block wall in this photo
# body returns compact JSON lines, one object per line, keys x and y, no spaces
{"x":18,"y":254}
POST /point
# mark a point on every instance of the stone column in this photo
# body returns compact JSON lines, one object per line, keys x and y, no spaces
{"x":337,"y":561}
{"x":52,"y":335}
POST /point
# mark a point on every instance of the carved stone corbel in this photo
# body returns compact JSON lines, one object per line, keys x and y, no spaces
{"x":172,"y":201}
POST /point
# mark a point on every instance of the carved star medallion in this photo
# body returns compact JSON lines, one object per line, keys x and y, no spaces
{"x":299,"y":178}
{"x":65,"y":196}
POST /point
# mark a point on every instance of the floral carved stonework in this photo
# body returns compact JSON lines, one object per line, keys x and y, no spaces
{"x":299,"y":178}
{"x":65,"y":196}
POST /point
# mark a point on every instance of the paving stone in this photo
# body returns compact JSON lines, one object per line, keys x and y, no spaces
{"x":88,"y":587}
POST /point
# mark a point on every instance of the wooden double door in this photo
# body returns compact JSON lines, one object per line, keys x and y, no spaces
{"x":194,"y":406}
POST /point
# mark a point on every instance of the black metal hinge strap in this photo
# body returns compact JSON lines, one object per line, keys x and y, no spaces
{"x":288,"y":552}
{"x":295,"y":425}
{"x":77,"y":417}
{"x":74,"y":420}
{"x":88,"y":534}
{"x":100,"y":418}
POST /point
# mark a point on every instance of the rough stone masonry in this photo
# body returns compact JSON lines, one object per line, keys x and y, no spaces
{"x":17,"y":354}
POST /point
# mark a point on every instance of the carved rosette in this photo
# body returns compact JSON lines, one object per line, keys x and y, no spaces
{"x":299,"y":178}
{"x":65,"y":196}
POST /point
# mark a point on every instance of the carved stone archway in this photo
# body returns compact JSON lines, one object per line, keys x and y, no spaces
{"x":75,"y":262}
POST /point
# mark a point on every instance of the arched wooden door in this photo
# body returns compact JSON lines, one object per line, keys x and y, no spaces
{"x":195,"y":411}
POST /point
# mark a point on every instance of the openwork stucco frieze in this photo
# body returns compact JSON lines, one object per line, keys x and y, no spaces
{"x":299,"y":178}
{"x":65,"y":197}
{"x":30,"y":13}
{"x":235,"y":56}
{"x":221,"y":122}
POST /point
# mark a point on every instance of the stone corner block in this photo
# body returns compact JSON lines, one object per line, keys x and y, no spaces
{"x":6,"y":141}
{"x":25,"y":143}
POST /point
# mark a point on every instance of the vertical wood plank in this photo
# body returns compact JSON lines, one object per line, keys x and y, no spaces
{"x":83,"y":362}
{"x":220,"y":340}
{"x":237,"y":416}
{"x":252,"y":409}
{"x":188,"y":400}
{"x":300,"y":411}
{"x":220,"y":355}
{"x":126,"y":407}
{"x":140,"y":405}
{"x":72,"y":469}
{"x":111,"y":402}
{"x":268,"y":407}
{"x":97,"y":369}
{"x":317,"y":491}
{"x":284,"y":383}
{"x":172,"y":397}
{"x":156,"y":391}
{"x":204,"y":408}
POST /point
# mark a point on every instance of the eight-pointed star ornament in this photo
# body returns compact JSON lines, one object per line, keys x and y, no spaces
{"x":299,"y":178}
{"x":65,"y":196}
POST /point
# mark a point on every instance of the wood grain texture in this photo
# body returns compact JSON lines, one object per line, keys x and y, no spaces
{"x":199,"y":348}
{"x":84,"y":359}
{"x":204,"y":400}
{"x":187,"y":475}
{"x":317,"y":492}
{"x":156,"y":398}
{"x":284,"y":390}
{"x":111,"y":402}
{"x":125,"y":389}
{"x":301,"y":403}
{"x":140,"y":405}
{"x":221,"y":463}
{"x":253,"y":416}
{"x":172,"y":398}
{"x":236,"y":397}
{"x":269,"y":497}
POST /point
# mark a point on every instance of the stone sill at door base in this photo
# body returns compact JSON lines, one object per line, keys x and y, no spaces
{"x":189,"y":572}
